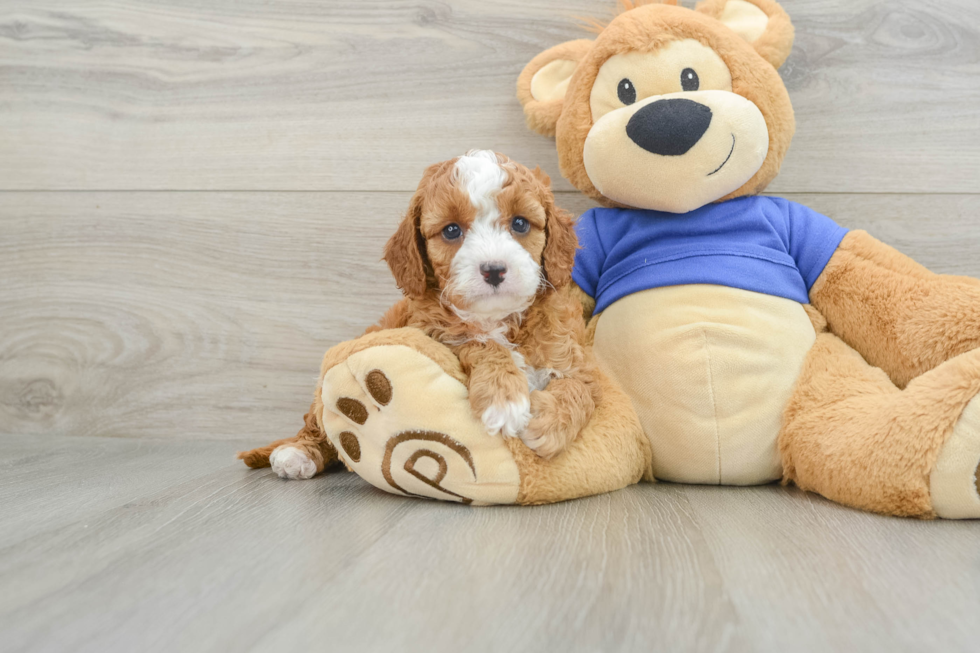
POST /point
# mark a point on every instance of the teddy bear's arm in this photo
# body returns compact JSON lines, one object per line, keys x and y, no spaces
{"x":897,"y":314}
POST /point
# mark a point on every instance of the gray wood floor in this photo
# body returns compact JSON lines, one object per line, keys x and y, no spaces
{"x":156,"y":545}
{"x":193,"y":199}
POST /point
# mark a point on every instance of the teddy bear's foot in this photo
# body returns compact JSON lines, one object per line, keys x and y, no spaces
{"x":850,"y":434}
{"x":953,"y":482}
{"x":404,"y":425}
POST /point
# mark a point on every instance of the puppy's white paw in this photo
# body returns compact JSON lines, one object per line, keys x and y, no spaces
{"x":509,"y":419}
{"x":290,"y":462}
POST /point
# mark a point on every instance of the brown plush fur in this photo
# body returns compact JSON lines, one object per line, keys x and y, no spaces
{"x":647,"y":28}
{"x":896,"y":358}
{"x":776,"y":42}
{"x":542,"y":117}
{"x":897,"y":314}
{"x":894,"y":365}
{"x":850,"y":434}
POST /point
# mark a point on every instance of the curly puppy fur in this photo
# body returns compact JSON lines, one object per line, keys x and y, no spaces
{"x":520,"y":345}
{"x":533,"y":356}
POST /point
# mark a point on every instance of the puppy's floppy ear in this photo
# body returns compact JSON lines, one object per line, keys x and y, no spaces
{"x":405,"y":251}
{"x":541,"y":176}
{"x":763,"y":23}
{"x":542,"y":84}
{"x":560,"y":245}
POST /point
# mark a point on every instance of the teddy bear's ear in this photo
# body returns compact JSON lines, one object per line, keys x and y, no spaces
{"x":542,"y":84}
{"x":763,"y":23}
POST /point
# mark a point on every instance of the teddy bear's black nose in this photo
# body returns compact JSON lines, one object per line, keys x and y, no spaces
{"x":669,"y":127}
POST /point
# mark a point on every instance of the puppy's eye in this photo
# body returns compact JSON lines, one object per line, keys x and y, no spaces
{"x":626,"y":91}
{"x":520,"y":225}
{"x":452,"y":231}
{"x":689,"y":80}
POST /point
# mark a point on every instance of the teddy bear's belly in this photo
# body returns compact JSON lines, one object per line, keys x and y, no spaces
{"x":710,"y":370}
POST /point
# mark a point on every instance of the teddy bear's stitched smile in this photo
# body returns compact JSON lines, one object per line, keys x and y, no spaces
{"x":726,"y":158}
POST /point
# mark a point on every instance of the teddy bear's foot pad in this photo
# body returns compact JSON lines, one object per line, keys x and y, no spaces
{"x":405,"y":426}
{"x":954,"y":482}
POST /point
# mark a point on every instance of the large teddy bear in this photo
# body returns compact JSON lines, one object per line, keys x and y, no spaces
{"x":756,"y":339}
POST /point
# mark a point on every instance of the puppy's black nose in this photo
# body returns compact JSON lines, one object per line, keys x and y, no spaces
{"x":493,"y":273}
{"x":669,"y":127}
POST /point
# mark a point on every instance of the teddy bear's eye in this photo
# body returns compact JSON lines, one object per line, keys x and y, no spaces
{"x":689,"y":80}
{"x":626,"y":91}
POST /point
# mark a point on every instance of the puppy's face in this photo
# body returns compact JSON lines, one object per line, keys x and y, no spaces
{"x":484,"y":232}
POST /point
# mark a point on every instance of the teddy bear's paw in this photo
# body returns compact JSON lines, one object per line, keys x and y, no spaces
{"x":291,"y":462}
{"x":405,"y":426}
{"x":508,"y":419}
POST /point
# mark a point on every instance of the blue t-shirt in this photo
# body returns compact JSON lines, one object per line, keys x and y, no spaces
{"x":764,"y":244}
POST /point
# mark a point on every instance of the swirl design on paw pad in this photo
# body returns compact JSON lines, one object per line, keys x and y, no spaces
{"x":418,"y":438}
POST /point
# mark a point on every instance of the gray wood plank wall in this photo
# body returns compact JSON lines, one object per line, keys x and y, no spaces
{"x":178,"y":291}
{"x":194,"y":195}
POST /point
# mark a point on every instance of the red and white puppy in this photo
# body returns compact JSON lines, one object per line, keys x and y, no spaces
{"x":484,"y":258}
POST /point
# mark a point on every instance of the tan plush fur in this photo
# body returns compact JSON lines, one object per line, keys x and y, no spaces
{"x":611,"y":453}
{"x":543,"y":116}
{"x":896,"y":357}
{"x":776,"y":42}
{"x":311,"y":438}
{"x":647,"y":28}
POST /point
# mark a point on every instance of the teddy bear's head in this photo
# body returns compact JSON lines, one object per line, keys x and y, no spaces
{"x":668,"y":108}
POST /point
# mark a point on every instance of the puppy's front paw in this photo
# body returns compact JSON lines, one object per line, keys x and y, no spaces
{"x":508,"y":419}
{"x":290,"y":462}
{"x":546,"y":445}
{"x":547,"y":434}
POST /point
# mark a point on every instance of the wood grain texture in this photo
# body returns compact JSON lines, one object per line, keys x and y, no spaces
{"x":210,"y":556}
{"x":205,"y":315}
{"x":187,"y":325}
{"x":842,"y":579}
{"x":252,"y":95}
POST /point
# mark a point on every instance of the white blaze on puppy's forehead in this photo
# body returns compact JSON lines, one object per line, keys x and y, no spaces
{"x":481,"y":176}
{"x":488,"y":239}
